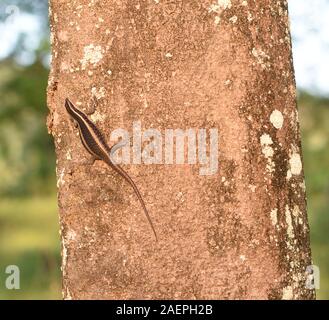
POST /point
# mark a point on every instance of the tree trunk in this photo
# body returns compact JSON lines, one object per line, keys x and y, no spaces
{"x":213,"y":67}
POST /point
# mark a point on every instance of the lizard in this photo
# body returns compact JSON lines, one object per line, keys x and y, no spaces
{"x":94,"y":142}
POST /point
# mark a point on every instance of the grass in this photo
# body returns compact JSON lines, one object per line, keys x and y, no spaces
{"x":29,"y":239}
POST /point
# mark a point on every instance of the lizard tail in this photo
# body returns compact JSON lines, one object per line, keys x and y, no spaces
{"x":124,"y":174}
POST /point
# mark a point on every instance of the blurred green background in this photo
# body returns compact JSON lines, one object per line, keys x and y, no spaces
{"x":29,"y":236}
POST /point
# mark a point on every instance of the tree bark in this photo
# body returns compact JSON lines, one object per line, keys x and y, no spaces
{"x":239,"y":233}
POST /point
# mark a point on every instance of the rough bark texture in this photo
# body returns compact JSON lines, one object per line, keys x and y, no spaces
{"x":239,"y":234}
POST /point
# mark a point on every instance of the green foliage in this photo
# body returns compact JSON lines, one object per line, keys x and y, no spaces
{"x":26,"y":150}
{"x":314,"y":117}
